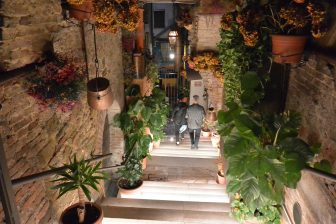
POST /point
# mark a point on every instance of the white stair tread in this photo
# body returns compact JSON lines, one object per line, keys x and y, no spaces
{"x":178,"y":197}
{"x":131,"y":221}
{"x":184,"y":153}
{"x":165,"y":204}
{"x":183,"y":185}
{"x":168,"y":215}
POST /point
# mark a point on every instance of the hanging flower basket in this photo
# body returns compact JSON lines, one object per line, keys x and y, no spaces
{"x":99,"y":93}
{"x":82,"y":11}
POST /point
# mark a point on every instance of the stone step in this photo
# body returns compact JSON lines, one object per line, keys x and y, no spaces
{"x":180,"y":192}
{"x":161,"y":204}
{"x":133,"y":221}
{"x":171,"y":215}
{"x":181,"y":163}
{"x":186,"y":153}
{"x":183,"y":185}
{"x":186,"y":145}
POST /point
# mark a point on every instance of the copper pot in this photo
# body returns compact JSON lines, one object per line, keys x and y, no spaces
{"x":211,"y":115}
{"x":99,"y":93}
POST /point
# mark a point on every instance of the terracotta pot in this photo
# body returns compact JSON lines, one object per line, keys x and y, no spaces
{"x":69,"y":215}
{"x":299,"y":1}
{"x":220,"y":179}
{"x":128,"y":191}
{"x":211,"y":115}
{"x":139,"y":64}
{"x":288,"y":49}
{"x":156,"y":144}
{"x":144,"y":163}
{"x":83,"y":11}
{"x":206,"y":133}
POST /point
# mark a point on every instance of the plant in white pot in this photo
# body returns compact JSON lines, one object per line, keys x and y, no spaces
{"x":80,"y":176}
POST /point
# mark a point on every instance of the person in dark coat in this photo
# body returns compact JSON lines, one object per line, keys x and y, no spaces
{"x":195,"y":116}
{"x":179,"y":119}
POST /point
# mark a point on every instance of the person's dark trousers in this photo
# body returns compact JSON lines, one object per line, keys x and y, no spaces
{"x":194,"y":137}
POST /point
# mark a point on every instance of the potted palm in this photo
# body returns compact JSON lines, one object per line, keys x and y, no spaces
{"x":80,"y":176}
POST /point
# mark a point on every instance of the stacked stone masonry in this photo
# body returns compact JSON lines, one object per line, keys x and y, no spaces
{"x":312,"y":92}
{"x":215,"y":89}
{"x":27,"y":30}
{"x":36,"y":138}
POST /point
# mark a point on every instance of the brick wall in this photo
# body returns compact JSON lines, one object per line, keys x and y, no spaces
{"x":215,"y":89}
{"x":27,"y":30}
{"x":312,"y":92}
{"x":208,"y":36}
{"x":35,"y":139}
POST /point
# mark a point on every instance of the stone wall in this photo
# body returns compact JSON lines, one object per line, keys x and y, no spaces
{"x":207,"y":32}
{"x":35,"y":139}
{"x":27,"y":30}
{"x":215,"y":89}
{"x":312,"y":92}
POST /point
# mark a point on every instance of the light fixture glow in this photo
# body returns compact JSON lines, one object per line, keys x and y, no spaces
{"x":171,"y":56}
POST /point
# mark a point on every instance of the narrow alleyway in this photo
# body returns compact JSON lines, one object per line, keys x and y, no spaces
{"x":179,"y":187}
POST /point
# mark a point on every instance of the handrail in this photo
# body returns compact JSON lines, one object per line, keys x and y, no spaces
{"x":42,"y":175}
{"x":320,"y":173}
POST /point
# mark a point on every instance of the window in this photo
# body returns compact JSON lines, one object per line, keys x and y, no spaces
{"x":159,"y":19}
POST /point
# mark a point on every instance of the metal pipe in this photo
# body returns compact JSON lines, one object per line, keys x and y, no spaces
{"x":42,"y":175}
{"x":319,"y":173}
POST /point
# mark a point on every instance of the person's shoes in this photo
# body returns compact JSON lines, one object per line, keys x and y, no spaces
{"x":177,"y":143}
{"x":192,"y":146}
{"x":196,"y":146}
{"x":182,"y":138}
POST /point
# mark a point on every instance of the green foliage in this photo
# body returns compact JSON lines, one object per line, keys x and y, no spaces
{"x":266,"y":215}
{"x":150,"y":111}
{"x":237,"y":58}
{"x":152,"y":72}
{"x":263,"y":153}
{"x":323,"y":165}
{"x":78,"y":175}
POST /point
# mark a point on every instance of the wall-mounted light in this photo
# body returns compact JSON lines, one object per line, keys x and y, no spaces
{"x":172,"y":36}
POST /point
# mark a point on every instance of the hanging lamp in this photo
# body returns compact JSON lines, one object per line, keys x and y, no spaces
{"x":99,"y":93}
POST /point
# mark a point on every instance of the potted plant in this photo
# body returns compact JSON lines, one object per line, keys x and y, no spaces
{"x":207,"y":61}
{"x":291,"y":23}
{"x":80,"y":9}
{"x":133,"y":123}
{"x":80,"y":176}
{"x":110,"y":16}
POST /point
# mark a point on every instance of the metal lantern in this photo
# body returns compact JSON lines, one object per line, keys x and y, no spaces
{"x":99,"y":93}
{"x":211,"y":115}
{"x":172,"y":36}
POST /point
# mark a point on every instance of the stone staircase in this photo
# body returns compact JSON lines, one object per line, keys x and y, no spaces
{"x":179,"y":187}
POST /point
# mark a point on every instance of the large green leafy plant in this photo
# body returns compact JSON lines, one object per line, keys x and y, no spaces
{"x":142,"y":112}
{"x":79,"y":176}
